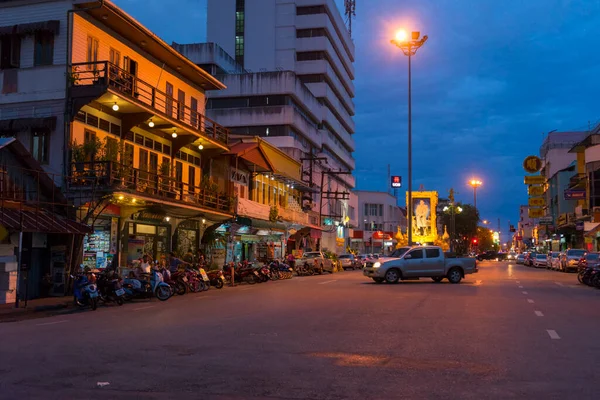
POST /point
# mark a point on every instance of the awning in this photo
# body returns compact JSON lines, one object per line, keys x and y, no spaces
{"x":274,"y":226}
{"x":51,"y":26}
{"x":17,"y":220}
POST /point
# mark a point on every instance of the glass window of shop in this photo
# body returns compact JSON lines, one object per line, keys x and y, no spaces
{"x":273,"y":192}
{"x":187,"y":237}
{"x":146,"y":238}
{"x":100,"y":246}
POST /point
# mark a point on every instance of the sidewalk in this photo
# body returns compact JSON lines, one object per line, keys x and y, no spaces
{"x":35,"y":308}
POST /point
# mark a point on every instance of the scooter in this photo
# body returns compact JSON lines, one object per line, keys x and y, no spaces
{"x":216,"y":277}
{"x":85,"y":292}
{"x":110,"y":288}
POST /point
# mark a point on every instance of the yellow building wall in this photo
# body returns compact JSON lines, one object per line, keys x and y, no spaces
{"x":149,"y":70}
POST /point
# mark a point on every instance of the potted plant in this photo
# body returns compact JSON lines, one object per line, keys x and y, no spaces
{"x":77,"y":156}
{"x":73,"y":76}
{"x":165,"y":176}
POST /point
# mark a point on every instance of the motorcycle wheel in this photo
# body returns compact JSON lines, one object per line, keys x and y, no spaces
{"x":206,"y":285}
{"x":162,"y":293}
{"x":181,"y":288}
{"x":120,"y":301}
{"x":580,"y":277}
{"x":219,"y":284}
{"x":197,"y":286}
{"x":94,"y":303}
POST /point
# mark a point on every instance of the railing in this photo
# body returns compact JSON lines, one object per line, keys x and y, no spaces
{"x":118,"y":177}
{"x":106,"y":73}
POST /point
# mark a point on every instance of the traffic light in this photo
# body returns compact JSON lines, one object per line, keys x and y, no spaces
{"x":475,"y":241}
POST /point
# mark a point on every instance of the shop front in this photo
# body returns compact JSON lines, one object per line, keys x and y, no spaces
{"x":147,"y":236}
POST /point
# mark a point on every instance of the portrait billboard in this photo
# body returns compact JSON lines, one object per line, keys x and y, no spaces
{"x":424,"y":224}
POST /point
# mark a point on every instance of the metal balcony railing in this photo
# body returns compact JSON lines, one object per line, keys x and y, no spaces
{"x":107,"y":176}
{"x":106,"y":74}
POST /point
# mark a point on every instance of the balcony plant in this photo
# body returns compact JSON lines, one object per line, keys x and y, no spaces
{"x":73,"y":76}
{"x":165,"y":177}
{"x":273,"y":214}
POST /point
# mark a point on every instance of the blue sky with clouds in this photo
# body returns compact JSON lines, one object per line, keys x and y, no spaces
{"x":493,"y":77}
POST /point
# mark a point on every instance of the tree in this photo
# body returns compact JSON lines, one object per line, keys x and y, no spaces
{"x":486,"y":241}
{"x":465,"y":227}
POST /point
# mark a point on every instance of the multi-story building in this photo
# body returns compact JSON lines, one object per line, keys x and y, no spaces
{"x":296,"y":92}
{"x":379,"y":218}
{"x":524,"y":236}
{"x":98,"y":98}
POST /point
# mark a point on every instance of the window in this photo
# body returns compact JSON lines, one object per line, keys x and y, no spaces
{"x":310,"y":56}
{"x":373,"y":209}
{"x":191,"y":178}
{"x":381,"y":210}
{"x":366,"y":209}
{"x":92,"y":50}
{"x":308,"y":10}
{"x":418,"y":253}
{"x":115,"y":57}
{"x":194,"y":113}
{"x":10,"y":51}
{"x":44,"y":48}
{"x":180,"y":105}
{"x":432,"y":253}
{"x":89,"y":137}
{"x":154,"y":163}
{"x":314,"y":32}
{"x":169,"y":100}
{"x":40,"y":141}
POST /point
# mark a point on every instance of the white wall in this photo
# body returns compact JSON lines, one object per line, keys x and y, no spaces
{"x":221,"y":24}
{"x":259,"y":35}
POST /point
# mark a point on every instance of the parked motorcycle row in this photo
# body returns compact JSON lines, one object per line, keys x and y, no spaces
{"x":107,"y":286}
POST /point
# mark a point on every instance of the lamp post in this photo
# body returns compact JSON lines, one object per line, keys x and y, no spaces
{"x":409,"y":47}
{"x":453,"y":211}
{"x":475,"y":183}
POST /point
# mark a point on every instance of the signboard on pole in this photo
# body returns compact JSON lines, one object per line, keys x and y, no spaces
{"x":574,"y":194}
{"x":536,"y":212}
{"x":532,"y":164}
{"x":537,"y":202}
{"x":396,"y":181}
{"x":535,"y":190}
{"x":535,"y":180}
{"x":547,"y":220}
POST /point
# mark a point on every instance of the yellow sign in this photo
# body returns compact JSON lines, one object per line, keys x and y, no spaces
{"x":537,"y":202}
{"x":532,"y":164}
{"x":536,"y":213}
{"x":535,"y":190}
{"x":424,"y":226}
{"x":535,"y":180}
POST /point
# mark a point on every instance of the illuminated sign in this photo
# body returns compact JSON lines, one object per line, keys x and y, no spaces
{"x":535,"y":190}
{"x":535,"y":180}
{"x":536,"y":212}
{"x":537,"y":202}
{"x":396,"y":181}
{"x":532,"y":164}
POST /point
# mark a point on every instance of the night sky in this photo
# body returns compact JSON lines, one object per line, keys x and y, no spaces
{"x":493,"y":77}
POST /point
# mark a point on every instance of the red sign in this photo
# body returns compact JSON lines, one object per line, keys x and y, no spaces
{"x":396,"y":181}
{"x":380,"y":235}
{"x":519,"y":237}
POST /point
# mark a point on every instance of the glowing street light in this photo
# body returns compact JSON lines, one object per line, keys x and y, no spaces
{"x":409,"y":47}
{"x":475,"y":183}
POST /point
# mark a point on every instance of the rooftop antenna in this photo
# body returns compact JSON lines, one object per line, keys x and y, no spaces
{"x":350,"y":12}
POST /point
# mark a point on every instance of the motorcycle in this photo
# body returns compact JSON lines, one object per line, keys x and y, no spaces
{"x":216,"y":278}
{"x":135,"y":288}
{"x":204,"y":278}
{"x":110,"y":288}
{"x":194,"y":281}
{"x":85,"y":291}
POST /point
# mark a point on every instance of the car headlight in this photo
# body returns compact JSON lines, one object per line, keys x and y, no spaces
{"x":377,"y":265}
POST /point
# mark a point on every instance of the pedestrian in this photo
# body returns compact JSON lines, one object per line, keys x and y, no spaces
{"x":174,"y":262}
{"x":145,"y":264}
{"x":291,"y":260}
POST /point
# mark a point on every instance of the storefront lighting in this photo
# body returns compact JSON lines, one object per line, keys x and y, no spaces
{"x":288,"y":185}
{"x":203,"y":221}
{"x":133,"y":200}
{"x":167,"y":219}
{"x":121,"y":197}
{"x":151,"y":123}
{"x":272,"y":178}
{"x":200,"y":147}
{"x":174,"y":134}
{"x":292,"y":186}
{"x":115,"y":107}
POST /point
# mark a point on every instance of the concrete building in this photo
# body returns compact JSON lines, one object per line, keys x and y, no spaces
{"x":296,"y":91}
{"x":524,"y":236}
{"x":378,"y":213}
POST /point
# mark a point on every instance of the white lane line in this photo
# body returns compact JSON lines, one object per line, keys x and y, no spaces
{"x":326,"y":282}
{"x":524,"y":292}
{"x":142,"y":308}
{"x":530,"y":301}
{"x":520,"y":287}
{"x":539,"y":313}
{"x":553,"y":334}
{"x":518,"y":282}
{"x":559,"y":283}
{"x":53,"y":323}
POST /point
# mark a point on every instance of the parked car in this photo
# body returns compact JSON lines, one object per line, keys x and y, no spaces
{"x":512,"y":256}
{"x":487,"y":255}
{"x":322,"y":261}
{"x":520,"y":258}
{"x":348,"y":261}
{"x":553,"y":260}
{"x":590,"y":260}
{"x":570,"y":259}
{"x":412,"y":263}
{"x":502,"y":256}
{"x":540,"y":260}
{"x":529,"y":258}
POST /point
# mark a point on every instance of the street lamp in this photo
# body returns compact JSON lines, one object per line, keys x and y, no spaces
{"x":475,"y":183}
{"x":453,"y":211}
{"x":409,"y":47}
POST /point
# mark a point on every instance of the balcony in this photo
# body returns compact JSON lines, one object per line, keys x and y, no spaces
{"x":103,"y":81}
{"x":102,"y":177}
{"x":253,"y":209}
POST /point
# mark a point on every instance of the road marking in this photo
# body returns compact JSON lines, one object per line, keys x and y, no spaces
{"x":530,"y":301}
{"x":520,"y":287}
{"x":524,"y":292}
{"x":539,"y":313}
{"x":202,"y":297}
{"x":518,"y":282}
{"x":248,"y":288}
{"x":53,"y":323}
{"x":326,"y":282}
{"x":559,"y":283}
{"x":553,"y":334}
{"x":142,"y":308}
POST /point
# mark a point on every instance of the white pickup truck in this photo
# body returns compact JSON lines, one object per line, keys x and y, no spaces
{"x":412,"y":263}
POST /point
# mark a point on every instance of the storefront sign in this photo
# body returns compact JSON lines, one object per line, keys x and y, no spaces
{"x":535,"y":190}
{"x":532,"y":164}
{"x":535,"y":180}
{"x":546,"y":220}
{"x":536,"y":213}
{"x":563,"y":219}
{"x":579,"y":226}
{"x":396,"y":182}
{"x":519,"y":238}
{"x":537,"y":202}
{"x":574,"y":194}
{"x":588,"y":239}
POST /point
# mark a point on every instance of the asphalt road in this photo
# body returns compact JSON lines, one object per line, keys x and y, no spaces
{"x":508,"y":332}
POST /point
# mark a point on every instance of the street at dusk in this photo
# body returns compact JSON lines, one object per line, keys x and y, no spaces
{"x":507,"y":332}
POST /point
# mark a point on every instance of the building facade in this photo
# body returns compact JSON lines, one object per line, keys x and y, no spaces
{"x":296,"y":92}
